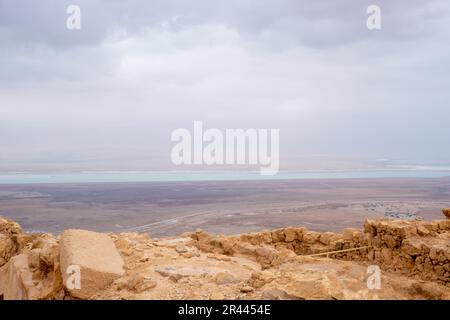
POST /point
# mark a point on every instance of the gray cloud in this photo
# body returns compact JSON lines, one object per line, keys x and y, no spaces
{"x":137,"y":70}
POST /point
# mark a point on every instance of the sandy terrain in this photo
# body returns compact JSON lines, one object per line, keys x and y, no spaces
{"x":165,"y":209}
{"x":386,"y":259}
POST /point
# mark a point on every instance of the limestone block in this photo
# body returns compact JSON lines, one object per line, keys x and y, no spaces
{"x":95,"y":256}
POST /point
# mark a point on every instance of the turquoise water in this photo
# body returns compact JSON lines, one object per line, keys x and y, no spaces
{"x":167,"y":176}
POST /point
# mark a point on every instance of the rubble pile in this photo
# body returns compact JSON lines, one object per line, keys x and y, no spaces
{"x":289,"y":263}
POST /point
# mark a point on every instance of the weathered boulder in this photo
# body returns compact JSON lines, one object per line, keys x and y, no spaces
{"x":278,"y":235}
{"x":9,"y":230}
{"x":350,"y":233}
{"x":95,"y":256}
{"x":446,"y":212}
{"x":326,"y":237}
{"x":311,"y":237}
{"x":9,"y":227}
{"x":290,"y":234}
{"x":7,"y":249}
{"x":140,"y":283}
{"x":178,"y":272}
{"x":225,"y":277}
{"x":17,"y":280}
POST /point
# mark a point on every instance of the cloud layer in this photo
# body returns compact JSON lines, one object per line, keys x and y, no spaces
{"x":139,"y":69}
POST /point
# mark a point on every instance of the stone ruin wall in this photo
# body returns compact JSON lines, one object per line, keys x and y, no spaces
{"x":419,"y":249}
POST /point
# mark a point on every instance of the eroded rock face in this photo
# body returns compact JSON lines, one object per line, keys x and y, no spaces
{"x":9,"y":231}
{"x":446,"y":212}
{"x":17,"y":280}
{"x":279,"y":264}
{"x":420,"y":249}
{"x":34,"y":273}
{"x":7,"y":249}
{"x":416,"y":248}
{"x":95,"y":256}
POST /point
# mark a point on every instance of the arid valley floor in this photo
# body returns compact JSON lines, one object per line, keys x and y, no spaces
{"x":168,"y":209}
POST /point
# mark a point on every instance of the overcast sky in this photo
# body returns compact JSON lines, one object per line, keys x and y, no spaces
{"x":137,"y":70}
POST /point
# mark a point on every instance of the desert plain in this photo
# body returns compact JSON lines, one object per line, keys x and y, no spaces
{"x":224,"y":207}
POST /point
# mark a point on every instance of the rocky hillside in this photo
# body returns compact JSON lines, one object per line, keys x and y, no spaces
{"x":289,"y":263}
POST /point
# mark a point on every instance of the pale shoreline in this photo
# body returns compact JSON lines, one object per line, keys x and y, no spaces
{"x":84,"y":177}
